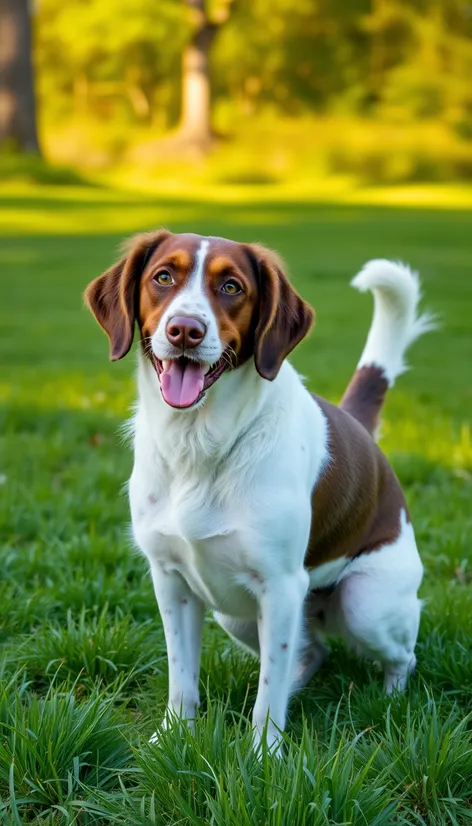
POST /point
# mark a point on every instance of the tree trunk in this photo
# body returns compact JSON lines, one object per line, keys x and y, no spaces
{"x":17,"y":99}
{"x":195,"y":121}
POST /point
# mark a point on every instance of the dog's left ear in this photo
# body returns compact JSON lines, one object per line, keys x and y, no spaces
{"x":284,"y":317}
{"x":113,"y":296}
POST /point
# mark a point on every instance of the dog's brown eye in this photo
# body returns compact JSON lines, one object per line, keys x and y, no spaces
{"x":231,"y":287}
{"x":163,"y":278}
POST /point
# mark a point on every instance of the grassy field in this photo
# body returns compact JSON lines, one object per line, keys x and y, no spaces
{"x":83,"y":666}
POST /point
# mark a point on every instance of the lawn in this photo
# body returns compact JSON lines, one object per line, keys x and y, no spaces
{"x":83,"y":666}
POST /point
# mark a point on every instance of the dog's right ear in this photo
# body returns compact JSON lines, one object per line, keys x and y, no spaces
{"x":113,"y":296}
{"x":284,"y":317}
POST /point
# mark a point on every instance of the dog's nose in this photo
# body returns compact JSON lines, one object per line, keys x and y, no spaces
{"x":185,"y":332}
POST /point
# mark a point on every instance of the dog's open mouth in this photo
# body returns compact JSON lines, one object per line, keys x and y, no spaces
{"x":184,"y":381}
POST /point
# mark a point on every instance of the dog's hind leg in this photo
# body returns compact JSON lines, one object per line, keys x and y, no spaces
{"x":243,"y":632}
{"x":310,"y":660}
{"x":378,"y":610}
{"x":313,"y":650}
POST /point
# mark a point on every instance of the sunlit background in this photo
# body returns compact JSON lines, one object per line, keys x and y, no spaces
{"x":334,"y":131}
{"x":266,"y":92}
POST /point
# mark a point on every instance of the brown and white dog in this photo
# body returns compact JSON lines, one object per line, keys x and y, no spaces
{"x":248,"y":495}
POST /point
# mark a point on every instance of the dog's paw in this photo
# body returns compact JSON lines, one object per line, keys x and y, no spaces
{"x":271,"y":737}
{"x":154,"y":739}
{"x":171,"y":719}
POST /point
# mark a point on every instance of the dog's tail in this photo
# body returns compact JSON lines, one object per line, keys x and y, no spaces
{"x":395,"y":325}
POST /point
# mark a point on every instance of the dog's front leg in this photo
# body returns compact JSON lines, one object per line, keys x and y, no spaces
{"x":280,"y":636}
{"x":182,"y":617}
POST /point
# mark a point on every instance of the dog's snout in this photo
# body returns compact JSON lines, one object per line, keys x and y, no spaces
{"x":185,"y":332}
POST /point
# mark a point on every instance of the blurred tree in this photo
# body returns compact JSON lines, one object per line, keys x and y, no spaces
{"x":429,"y":75}
{"x":17,"y":98}
{"x":294,"y":56}
{"x":207,"y":19}
{"x":106,"y":56}
{"x":183,"y":62}
{"x":357,"y":56}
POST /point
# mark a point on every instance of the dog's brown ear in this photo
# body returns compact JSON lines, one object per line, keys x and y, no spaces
{"x":284,"y":317}
{"x":113,"y":296}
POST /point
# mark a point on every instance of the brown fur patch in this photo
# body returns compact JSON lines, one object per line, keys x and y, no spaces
{"x":365,"y":395}
{"x":358,"y":500}
{"x":112,"y":297}
{"x":284,"y":317}
{"x":236,"y":315}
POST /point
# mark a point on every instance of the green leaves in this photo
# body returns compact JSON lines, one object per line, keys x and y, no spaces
{"x":98,"y":52}
{"x":345,"y":56}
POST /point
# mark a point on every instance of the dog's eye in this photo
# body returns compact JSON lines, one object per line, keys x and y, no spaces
{"x":163,"y":278}
{"x":231,"y":287}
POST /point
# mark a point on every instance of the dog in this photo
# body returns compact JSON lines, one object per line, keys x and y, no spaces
{"x":249,"y":495}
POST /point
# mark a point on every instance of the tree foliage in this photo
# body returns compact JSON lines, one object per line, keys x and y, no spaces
{"x":97,"y":54}
{"x":396,"y":58}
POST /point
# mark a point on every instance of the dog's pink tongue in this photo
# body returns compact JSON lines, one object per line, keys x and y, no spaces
{"x":181,"y":382}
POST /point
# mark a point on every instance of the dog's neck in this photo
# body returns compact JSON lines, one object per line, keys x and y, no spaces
{"x":238,"y":401}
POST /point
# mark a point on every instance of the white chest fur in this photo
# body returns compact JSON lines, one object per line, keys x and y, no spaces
{"x":184,"y":528}
{"x":222,"y":495}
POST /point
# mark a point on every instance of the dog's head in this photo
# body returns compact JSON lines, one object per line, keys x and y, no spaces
{"x":203,"y":305}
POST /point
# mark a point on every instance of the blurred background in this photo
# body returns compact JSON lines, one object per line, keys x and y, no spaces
{"x":334,"y":132}
{"x":238,"y":92}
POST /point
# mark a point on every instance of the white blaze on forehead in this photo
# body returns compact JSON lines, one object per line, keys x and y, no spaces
{"x":192,"y":298}
{"x":196,"y":276}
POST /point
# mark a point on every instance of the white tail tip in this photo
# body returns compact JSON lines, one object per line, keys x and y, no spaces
{"x":396,"y":322}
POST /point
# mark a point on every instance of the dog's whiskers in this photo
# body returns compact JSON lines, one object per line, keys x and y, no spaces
{"x":228,"y":355}
{"x":147,"y":345}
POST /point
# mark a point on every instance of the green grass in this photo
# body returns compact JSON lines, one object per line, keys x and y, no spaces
{"x":83,"y":667}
